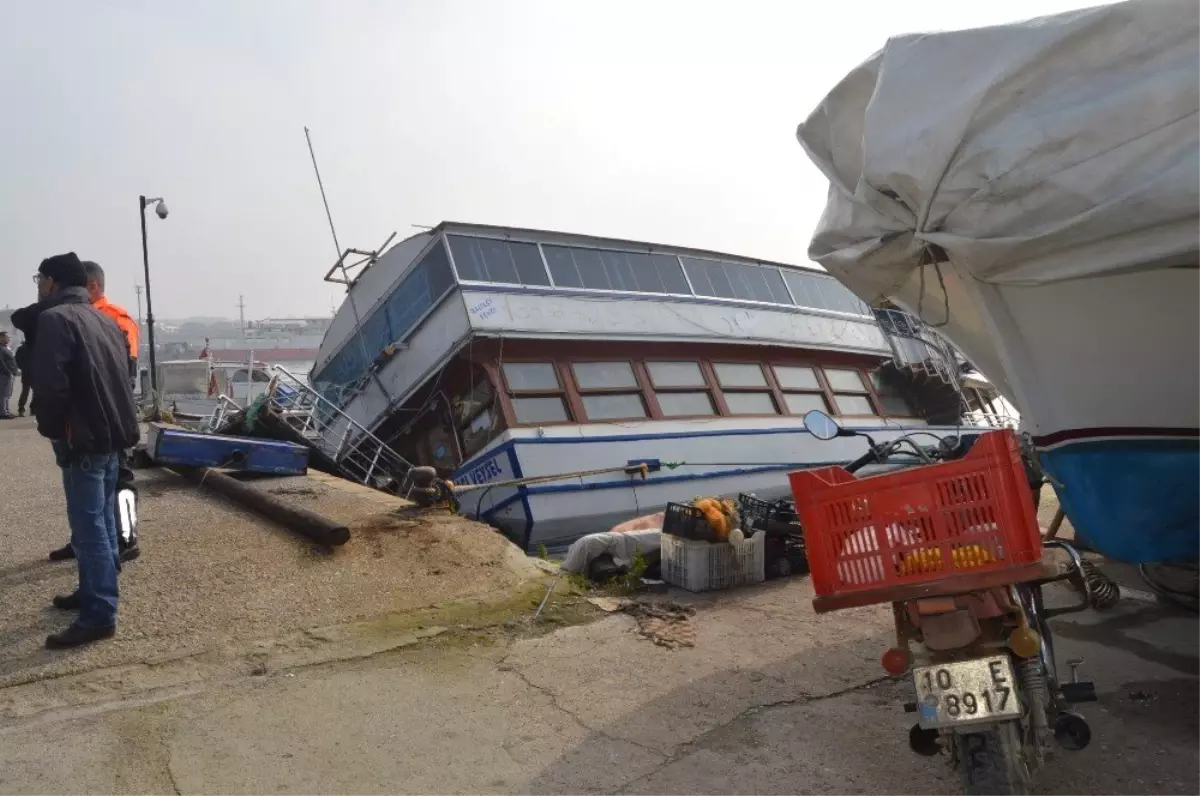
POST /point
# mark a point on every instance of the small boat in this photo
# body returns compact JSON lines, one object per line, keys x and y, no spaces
{"x":193,"y":388}
{"x":1030,"y":189}
{"x":609,"y":377}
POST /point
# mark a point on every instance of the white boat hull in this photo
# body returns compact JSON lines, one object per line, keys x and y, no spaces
{"x":718,"y":457}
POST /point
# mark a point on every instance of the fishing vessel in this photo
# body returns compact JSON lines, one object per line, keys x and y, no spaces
{"x":1030,"y":189}
{"x":650,"y":372}
{"x":194,"y":388}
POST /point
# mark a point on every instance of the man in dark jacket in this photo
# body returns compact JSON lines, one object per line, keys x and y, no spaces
{"x":127,"y":537}
{"x":83,"y":404}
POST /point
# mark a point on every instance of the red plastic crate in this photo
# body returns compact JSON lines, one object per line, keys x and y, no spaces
{"x":919,"y":525}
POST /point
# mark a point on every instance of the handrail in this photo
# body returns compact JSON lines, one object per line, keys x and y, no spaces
{"x":363,"y":432}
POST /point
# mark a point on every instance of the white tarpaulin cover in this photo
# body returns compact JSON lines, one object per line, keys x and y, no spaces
{"x":1053,"y":149}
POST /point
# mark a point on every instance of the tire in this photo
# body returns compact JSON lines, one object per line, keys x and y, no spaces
{"x":992,"y":761}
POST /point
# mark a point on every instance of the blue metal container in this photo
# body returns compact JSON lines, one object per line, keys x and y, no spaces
{"x":168,"y":444}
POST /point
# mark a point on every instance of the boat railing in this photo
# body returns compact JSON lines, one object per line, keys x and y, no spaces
{"x":917,"y":347}
{"x":225,"y":405}
{"x":358,"y":454}
{"x":979,"y":419}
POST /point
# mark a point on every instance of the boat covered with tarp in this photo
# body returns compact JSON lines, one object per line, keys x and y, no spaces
{"x":1030,"y":190}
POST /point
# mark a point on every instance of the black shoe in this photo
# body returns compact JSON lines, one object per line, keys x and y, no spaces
{"x":67,"y":602}
{"x":130,"y":553}
{"x":76,"y":636}
{"x":64,"y":553}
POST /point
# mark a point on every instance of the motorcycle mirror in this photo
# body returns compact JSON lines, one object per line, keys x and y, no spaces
{"x":821,"y":425}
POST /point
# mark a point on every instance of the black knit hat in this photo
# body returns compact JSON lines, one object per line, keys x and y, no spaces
{"x":65,"y":269}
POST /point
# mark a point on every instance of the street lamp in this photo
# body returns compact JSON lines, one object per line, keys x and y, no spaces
{"x":160,"y":208}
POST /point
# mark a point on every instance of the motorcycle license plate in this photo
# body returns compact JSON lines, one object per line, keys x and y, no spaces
{"x":966,"y":692}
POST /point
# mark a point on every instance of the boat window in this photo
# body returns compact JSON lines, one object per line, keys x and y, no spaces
{"x":669,"y":270}
{"x":800,"y":402}
{"x":731,"y":374}
{"x":823,"y":293}
{"x":604,"y":375}
{"x":259,"y":377}
{"x":389,"y":323}
{"x":504,"y":262}
{"x":750,"y":403}
{"x":613,"y":405}
{"x":849,"y":391}
{"x":478,"y":433}
{"x":796,"y":377}
{"x":845,"y":380}
{"x":530,"y":376}
{"x":891,"y":397}
{"x":853,"y":404}
{"x":562,"y":266}
{"x":540,"y":409}
{"x":685,"y":404}
{"x":676,"y":374}
{"x":736,"y":280}
{"x":629,"y":272}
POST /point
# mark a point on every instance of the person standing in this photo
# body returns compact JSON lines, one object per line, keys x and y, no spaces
{"x":126,"y":498}
{"x":8,"y":372}
{"x":24,"y":352}
{"x":83,"y":404}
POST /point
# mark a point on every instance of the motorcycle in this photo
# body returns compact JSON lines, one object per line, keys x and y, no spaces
{"x":977,"y":645}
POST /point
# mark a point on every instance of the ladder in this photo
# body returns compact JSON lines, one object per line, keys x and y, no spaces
{"x":360,"y":456}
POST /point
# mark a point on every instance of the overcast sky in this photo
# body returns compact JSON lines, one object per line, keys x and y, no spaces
{"x":671,"y":122}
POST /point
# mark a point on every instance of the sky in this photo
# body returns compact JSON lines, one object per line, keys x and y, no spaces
{"x":671,"y":122}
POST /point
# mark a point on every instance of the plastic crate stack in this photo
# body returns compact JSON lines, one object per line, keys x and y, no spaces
{"x":694,"y":558}
{"x":785,"y":552}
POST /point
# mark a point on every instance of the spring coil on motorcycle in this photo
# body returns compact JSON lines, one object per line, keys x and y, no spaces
{"x":1105,"y":592}
{"x":1037,"y":694}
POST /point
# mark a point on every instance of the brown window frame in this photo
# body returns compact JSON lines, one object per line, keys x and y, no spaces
{"x":580,"y":392}
{"x":710,"y":388}
{"x":822,"y":388}
{"x":572,"y":407}
{"x":868,"y":391}
{"x":767,"y":388}
{"x":877,"y":398}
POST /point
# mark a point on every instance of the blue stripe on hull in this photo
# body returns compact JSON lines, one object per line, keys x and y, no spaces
{"x":1134,"y":500}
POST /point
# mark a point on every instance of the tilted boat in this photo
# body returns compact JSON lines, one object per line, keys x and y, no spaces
{"x":499,"y":354}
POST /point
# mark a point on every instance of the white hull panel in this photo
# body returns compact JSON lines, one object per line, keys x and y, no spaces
{"x":718,"y":457}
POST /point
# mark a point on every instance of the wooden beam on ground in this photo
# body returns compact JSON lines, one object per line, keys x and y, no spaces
{"x":307,"y":523}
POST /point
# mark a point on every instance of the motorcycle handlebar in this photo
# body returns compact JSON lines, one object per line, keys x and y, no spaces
{"x":870,"y":457}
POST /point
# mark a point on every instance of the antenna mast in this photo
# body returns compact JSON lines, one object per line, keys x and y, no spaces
{"x":336,"y":246}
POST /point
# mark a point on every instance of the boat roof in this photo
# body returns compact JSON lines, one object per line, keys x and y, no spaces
{"x":550,"y":236}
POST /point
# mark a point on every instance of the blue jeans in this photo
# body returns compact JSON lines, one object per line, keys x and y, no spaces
{"x":90,"y":485}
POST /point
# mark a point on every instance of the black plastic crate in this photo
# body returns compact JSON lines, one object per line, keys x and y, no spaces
{"x":758,"y":513}
{"x":687,"y":522}
{"x":785,"y":556}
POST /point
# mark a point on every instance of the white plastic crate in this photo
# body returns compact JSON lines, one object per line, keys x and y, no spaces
{"x":707,"y":566}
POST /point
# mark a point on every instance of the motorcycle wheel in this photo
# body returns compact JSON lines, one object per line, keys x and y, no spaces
{"x":992,"y":761}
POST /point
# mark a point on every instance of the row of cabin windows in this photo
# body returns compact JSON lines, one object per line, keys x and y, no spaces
{"x":544,"y":265}
{"x":612,"y":391}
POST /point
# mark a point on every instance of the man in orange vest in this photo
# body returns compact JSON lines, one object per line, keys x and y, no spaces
{"x":126,"y":498}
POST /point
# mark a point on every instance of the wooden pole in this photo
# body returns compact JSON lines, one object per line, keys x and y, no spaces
{"x":307,"y":523}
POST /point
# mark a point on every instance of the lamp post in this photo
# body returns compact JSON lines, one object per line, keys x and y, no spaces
{"x":160,"y":208}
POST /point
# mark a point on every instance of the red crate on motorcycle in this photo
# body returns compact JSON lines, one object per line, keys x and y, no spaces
{"x":922,"y":525}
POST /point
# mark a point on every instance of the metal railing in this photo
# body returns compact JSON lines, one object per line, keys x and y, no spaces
{"x":358,"y":454}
